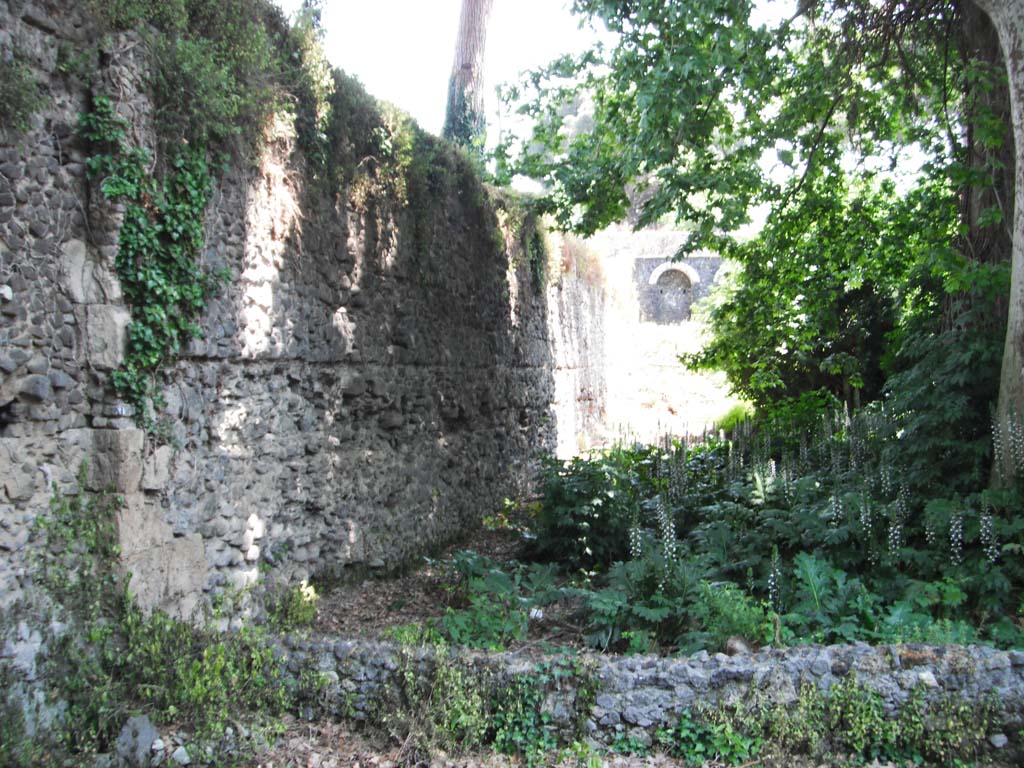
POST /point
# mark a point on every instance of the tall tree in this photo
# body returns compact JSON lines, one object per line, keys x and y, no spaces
{"x":1008,"y":18}
{"x":465,"y":121}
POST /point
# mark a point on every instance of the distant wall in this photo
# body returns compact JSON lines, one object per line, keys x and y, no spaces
{"x":375,"y":376}
{"x":666,"y":290}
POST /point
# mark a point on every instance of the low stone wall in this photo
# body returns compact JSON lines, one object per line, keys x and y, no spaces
{"x":634,"y":696}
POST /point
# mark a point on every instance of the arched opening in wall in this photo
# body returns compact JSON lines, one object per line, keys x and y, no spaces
{"x":675,"y":296}
{"x":667,"y":299}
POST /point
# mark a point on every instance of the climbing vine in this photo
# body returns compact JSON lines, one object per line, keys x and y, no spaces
{"x":157,"y":258}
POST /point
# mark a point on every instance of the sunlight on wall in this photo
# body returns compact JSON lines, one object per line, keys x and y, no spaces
{"x":272,"y":215}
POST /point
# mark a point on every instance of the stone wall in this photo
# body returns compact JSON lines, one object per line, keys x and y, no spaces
{"x":377,"y":374}
{"x":577,"y":300}
{"x":635,"y":696}
{"x":666,"y":290}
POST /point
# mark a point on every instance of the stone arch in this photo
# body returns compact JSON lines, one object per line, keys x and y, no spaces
{"x":674,"y":266}
{"x":668,"y":295}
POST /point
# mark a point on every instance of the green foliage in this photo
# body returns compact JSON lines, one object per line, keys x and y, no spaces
{"x":443,"y":705}
{"x":589,"y":505}
{"x":628,"y":745}
{"x":160,"y":242}
{"x":708,"y":739}
{"x":807,"y":527}
{"x":939,"y":731}
{"x":827,"y":285}
{"x":883,"y":179}
{"x":521,"y":725}
{"x":734,"y":417}
{"x":114,"y":659}
{"x":458,"y":706}
{"x":20,"y":97}
{"x":723,"y":611}
{"x":494,"y":615}
{"x":941,"y":390}
{"x":218,"y":65}
{"x":294,"y":607}
{"x":689,"y":102}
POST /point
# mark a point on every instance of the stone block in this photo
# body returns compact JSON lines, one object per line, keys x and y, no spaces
{"x":106,"y":334}
{"x":17,"y":482}
{"x":36,"y":387}
{"x":116,"y":459}
{"x":168,"y":576}
{"x":76,"y":271}
{"x":140,"y":525}
{"x":157,"y":469}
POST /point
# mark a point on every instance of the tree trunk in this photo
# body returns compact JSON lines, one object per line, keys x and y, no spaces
{"x":1008,"y":18}
{"x":992,"y":244}
{"x":465,"y":121}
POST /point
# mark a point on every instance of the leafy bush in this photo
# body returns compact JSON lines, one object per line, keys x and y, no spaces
{"x":808,"y":514}
{"x":294,"y":607}
{"x":589,"y":505}
{"x":702,"y":740}
{"x":218,"y":66}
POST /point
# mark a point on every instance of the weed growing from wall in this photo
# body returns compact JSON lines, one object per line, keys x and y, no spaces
{"x":217,"y":65}
{"x":439,"y":700}
{"x":293,"y":608}
{"x":849,"y":720}
{"x":157,"y":260}
{"x":19,"y":92}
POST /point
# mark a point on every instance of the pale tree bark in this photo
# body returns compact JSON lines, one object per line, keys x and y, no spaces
{"x":1008,"y":18}
{"x":465,"y":120}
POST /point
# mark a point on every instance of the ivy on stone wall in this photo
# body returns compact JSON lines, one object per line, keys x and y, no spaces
{"x":157,"y":260}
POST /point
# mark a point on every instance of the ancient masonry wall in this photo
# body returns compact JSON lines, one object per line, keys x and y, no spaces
{"x":360,"y":396}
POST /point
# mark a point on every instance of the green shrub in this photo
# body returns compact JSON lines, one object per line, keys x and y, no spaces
{"x":495,"y":614}
{"x":712,"y":738}
{"x":294,"y":607}
{"x":735,"y":417}
{"x":521,"y":725}
{"x":218,"y":66}
{"x":722,"y":611}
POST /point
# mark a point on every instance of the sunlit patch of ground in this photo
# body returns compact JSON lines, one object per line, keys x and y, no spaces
{"x":650,"y":393}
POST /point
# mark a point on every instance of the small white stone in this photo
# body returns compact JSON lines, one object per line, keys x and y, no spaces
{"x":158,"y":745}
{"x":927,"y":679}
{"x":256,"y":525}
{"x":6,"y":293}
{"x":998,"y":740}
{"x":180,"y":756}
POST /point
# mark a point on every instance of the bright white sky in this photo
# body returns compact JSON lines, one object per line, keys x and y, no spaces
{"x":402,"y":50}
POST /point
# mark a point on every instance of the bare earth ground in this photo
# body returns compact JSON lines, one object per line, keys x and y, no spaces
{"x":366,"y":608}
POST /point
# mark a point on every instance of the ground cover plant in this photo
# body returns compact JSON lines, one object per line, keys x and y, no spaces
{"x":777,"y":534}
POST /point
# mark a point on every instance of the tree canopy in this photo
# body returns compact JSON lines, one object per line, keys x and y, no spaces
{"x":873,"y":139}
